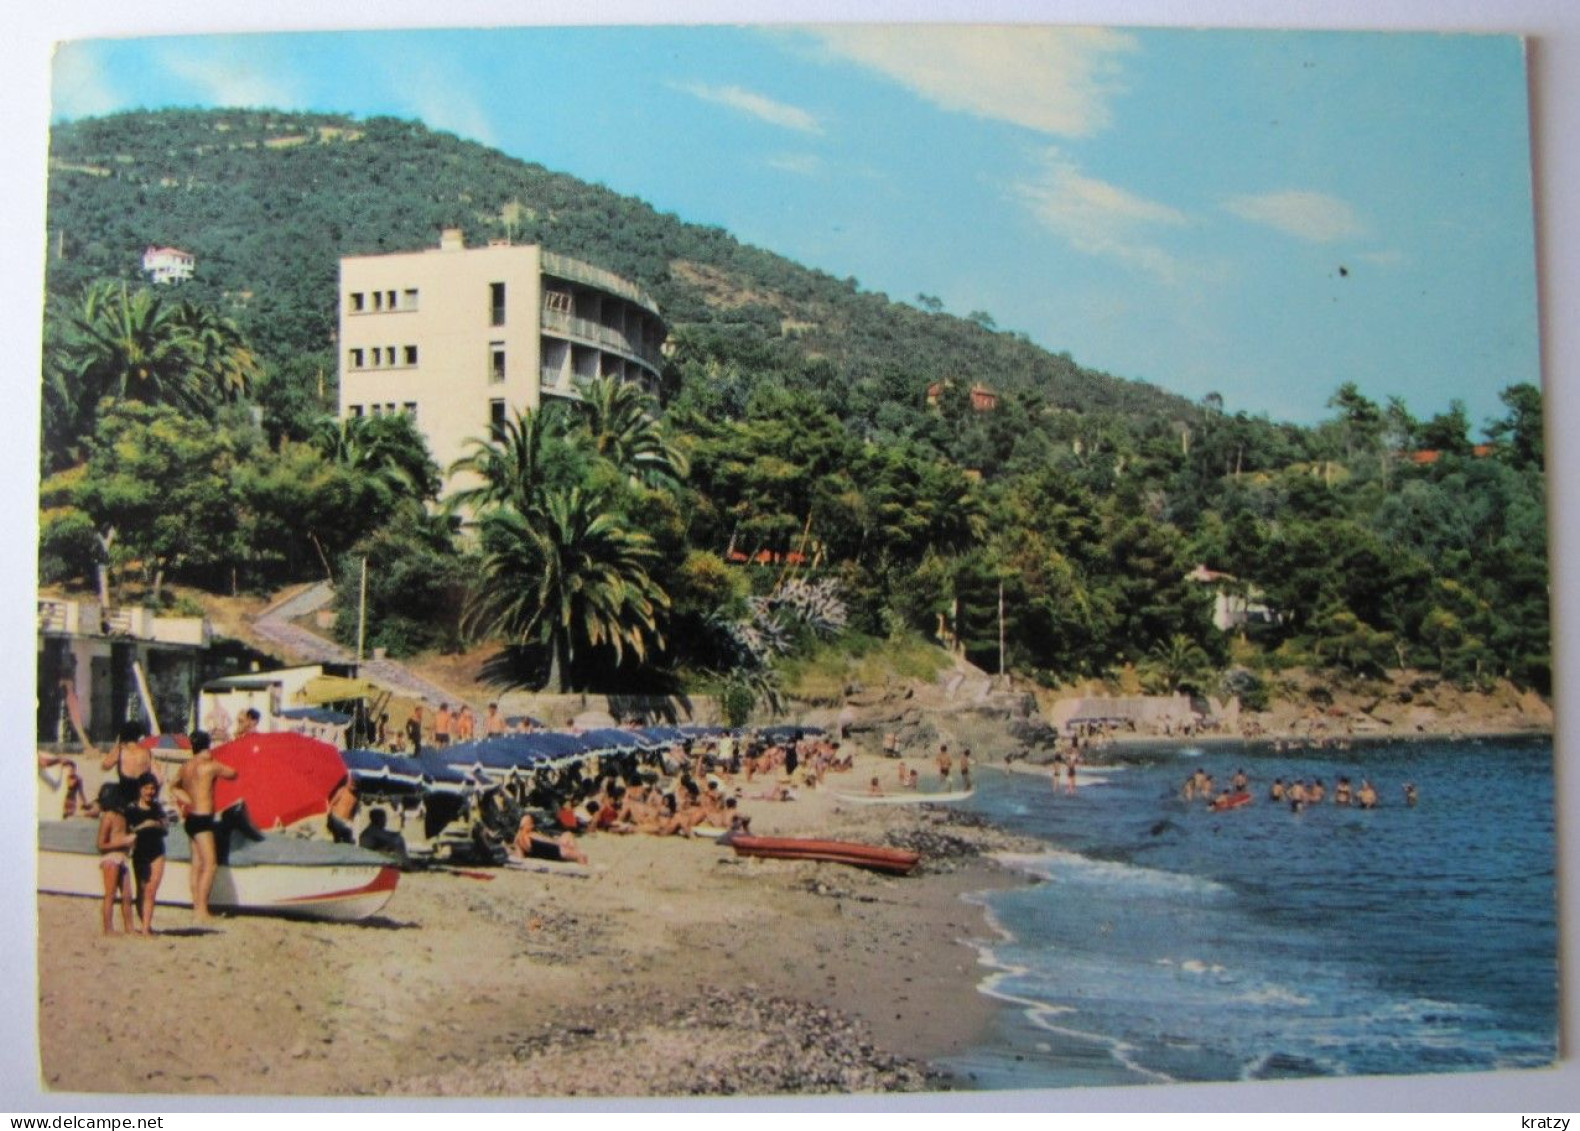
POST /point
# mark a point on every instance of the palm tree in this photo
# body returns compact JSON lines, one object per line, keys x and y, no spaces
{"x":620,"y":417}
{"x":509,"y":467}
{"x":133,"y":345}
{"x":1179,"y":665}
{"x":568,"y":575}
{"x":388,"y":450}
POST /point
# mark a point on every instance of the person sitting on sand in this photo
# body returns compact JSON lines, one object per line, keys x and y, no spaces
{"x":875,"y":790}
{"x":75,"y":803}
{"x":740,"y":825}
{"x":379,"y":837}
{"x":567,"y":818}
{"x":114,"y":840}
{"x":529,"y":844}
{"x":781,"y":792}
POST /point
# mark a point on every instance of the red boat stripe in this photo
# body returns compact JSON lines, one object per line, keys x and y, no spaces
{"x":386,"y":880}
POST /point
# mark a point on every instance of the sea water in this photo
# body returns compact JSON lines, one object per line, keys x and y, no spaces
{"x":1165,"y":942}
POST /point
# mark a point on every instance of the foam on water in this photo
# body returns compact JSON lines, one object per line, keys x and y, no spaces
{"x":1258,"y":946}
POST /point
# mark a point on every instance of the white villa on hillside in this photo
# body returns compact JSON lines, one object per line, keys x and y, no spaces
{"x":168,"y":264}
{"x":461,"y":338}
{"x":1234,"y":605}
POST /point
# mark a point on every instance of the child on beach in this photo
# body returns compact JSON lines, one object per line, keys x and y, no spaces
{"x":145,"y":820}
{"x":114,"y":840}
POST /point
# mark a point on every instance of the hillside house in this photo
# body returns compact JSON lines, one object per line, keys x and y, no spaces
{"x":168,"y":265}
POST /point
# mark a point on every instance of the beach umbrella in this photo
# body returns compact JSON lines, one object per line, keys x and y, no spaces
{"x":166,"y":742}
{"x":384,"y":773}
{"x":284,"y":778}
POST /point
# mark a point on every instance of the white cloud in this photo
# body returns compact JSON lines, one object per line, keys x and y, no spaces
{"x":440,"y":98}
{"x":757,"y":105}
{"x":1389,"y":258}
{"x":803,"y":164}
{"x":1053,"y":80}
{"x":79,"y":87}
{"x":231,"y":72}
{"x":1102,"y":219}
{"x":1311,"y":216}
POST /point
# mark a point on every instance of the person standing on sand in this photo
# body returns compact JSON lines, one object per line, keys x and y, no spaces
{"x":114,"y":840}
{"x":965,"y":768}
{"x":129,"y":760}
{"x":494,"y":724}
{"x":194,"y":792}
{"x":945,"y":764}
{"x":414,"y":730}
{"x":146,"y":822}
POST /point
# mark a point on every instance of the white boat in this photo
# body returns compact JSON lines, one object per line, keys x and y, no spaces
{"x":905,"y":797}
{"x":305,"y":879}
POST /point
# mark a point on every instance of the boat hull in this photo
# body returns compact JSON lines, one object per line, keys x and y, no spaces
{"x":906,"y":798}
{"x":897,"y":861}
{"x":277,"y":876}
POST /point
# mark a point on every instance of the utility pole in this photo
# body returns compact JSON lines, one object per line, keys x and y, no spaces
{"x":1001,"y":629}
{"x":362,"y":613}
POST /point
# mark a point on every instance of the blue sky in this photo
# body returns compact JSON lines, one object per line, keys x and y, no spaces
{"x":1264,"y":215}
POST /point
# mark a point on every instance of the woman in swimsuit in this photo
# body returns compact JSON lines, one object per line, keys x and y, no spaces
{"x":146,"y":822}
{"x":114,"y":840}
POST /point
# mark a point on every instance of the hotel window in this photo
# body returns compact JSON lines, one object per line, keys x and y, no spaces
{"x":496,"y":304}
{"x":496,"y":419}
{"x":411,"y":355}
{"x":391,"y":303}
{"x":358,"y":302}
{"x":378,"y":410}
{"x":496,"y":362}
{"x":389,"y":409}
{"x":409,"y":299}
{"x":378,"y":300}
{"x":356,"y":410}
{"x":410,"y":409}
{"x":356,"y":359}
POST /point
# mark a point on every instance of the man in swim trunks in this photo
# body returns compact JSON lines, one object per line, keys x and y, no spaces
{"x":529,"y":845}
{"x":945,"y":764}
{"x":194,"y":791}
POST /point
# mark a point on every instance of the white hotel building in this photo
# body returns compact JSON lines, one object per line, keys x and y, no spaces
{"x":462,"y":338}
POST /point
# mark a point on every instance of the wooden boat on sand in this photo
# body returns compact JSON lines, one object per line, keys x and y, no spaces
{"x":274,"y":875}
{"x":904,"y":797}
{"x":897,"y":861}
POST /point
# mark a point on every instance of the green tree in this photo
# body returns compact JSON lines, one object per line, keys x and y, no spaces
{"x":571,"y":577}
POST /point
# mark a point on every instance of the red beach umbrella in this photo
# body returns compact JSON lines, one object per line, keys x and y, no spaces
{"x":284,"y":778}
{"x":166,"y":742}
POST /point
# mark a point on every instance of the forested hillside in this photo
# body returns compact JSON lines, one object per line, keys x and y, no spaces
{"x":186,"y":437}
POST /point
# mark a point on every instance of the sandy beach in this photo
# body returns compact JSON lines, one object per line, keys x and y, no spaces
{"x":675,"y":968}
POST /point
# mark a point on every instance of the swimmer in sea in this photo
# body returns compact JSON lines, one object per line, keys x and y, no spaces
{"x":1341,"y":792}
{"x":1317,"y":792}
{"x":1367,"y":797}
{"x":1410,"y":794}
{"x":1240,"y":781}
{"x":1276,"y":793}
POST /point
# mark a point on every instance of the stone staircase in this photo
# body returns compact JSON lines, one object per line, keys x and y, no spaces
{"x":275,"y":625}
